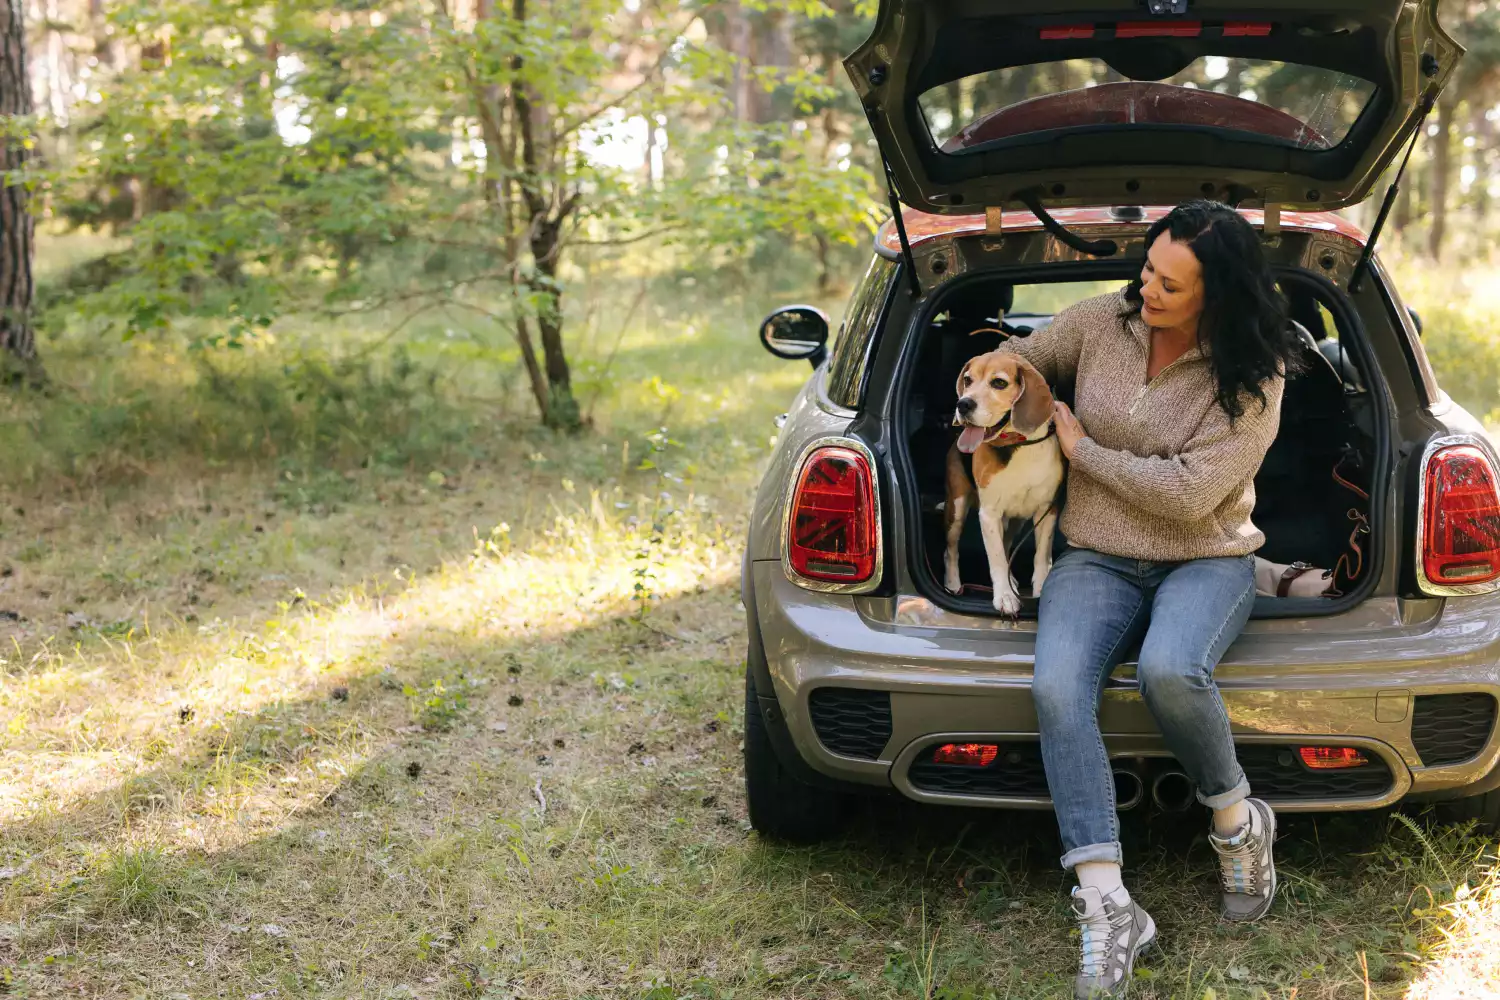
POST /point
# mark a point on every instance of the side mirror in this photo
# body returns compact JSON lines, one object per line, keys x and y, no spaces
{"x":1415,"y":320}
{"x":793,"y":332}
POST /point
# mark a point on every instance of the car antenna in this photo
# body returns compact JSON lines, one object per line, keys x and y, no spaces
{"x":1094,"y":248}
{"x":1362,"y":266}
{"x":906,"y":255}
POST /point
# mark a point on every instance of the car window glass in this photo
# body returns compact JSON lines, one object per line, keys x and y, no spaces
{"x":1309,"y":107}
{"x":847,"y":370}
{"x":1052,"y":298}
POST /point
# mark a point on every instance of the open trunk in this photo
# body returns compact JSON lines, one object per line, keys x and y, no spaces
{"x":1311,"y":492}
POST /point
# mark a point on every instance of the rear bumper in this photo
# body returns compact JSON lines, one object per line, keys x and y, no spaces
{"x":1357,"y":679}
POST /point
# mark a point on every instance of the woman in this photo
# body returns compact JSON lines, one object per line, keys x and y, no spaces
{"x":1178,"y":381}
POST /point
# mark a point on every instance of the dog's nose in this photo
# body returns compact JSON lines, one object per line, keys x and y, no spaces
{"x":967,"y":405}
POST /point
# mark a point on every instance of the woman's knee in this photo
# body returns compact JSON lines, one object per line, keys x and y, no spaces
{"x":1166,"y":674}
{"x":1059,"y":695}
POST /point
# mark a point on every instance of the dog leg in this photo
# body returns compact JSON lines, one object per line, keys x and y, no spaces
{"x":1007,"y":602}
{"x":957,"y":512}
{"x":1045,"y":526}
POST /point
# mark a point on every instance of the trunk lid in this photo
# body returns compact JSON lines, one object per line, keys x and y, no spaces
{"x":988,"y":103}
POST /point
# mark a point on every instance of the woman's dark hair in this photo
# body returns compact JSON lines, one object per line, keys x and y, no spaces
{"x":1244,"y":330}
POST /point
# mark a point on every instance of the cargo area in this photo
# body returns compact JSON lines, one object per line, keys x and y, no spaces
{"x":1312,"y":492}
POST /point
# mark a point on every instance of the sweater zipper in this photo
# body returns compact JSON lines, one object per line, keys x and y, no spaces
{"x":1140,"y":393}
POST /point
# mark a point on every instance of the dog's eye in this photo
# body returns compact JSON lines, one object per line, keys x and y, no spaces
{"x":998,"y":383}
{"x":968,"y":380}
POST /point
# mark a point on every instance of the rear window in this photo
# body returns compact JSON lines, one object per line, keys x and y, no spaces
{"x":851,"y":351}
{"x":1303,"y":106}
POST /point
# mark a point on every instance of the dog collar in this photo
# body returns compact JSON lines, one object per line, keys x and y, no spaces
{"x":1011,"y":439}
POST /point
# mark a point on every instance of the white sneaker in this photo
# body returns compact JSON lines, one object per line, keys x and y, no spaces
{"x":1114,"y":930}
{"x":1247,"y":871}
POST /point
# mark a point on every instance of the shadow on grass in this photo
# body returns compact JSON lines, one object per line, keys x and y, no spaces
{"x":571,"y":823}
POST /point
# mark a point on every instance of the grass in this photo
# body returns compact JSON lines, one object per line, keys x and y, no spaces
{"x":402,"y":696}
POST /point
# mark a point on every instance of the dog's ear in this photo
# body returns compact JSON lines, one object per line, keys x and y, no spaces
{"x":958,"y":386}
{"x":1033,"y":406}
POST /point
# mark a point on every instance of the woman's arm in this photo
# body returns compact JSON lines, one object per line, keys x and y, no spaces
{"x":1053,"y":350}
{"x":1192,"y":484}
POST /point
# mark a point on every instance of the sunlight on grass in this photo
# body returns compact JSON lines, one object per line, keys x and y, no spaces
{"x":332,"y":674}
{"x":592,"y":563}
{"x":1467,"y":961}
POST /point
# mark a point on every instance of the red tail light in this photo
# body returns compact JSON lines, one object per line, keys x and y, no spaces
{"x":1331,"y":758}
{"x":1158,"y":29}
{"x":966,"y":754}
{"x":1461,"y":519}
{"x":833,"y":531}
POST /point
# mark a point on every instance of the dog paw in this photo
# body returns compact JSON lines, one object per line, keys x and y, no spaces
{"x":952,"y":584}
{"x":1007,"y":604}
{"x":1037,"y":580}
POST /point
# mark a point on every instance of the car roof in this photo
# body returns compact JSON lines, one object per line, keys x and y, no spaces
{"x":922,"y":227}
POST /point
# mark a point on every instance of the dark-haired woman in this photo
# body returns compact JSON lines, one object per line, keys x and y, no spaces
{"x":1178,"y":381}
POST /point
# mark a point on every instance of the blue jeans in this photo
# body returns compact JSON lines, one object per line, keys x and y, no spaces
{"x":1094,"y":609}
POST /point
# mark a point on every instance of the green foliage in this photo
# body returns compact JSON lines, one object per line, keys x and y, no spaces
{"x":265,"y":154}
{"x":1464,"y":349}
{"x":311,"y":411}
{"x":440,"y":704}
{"x":146,"y":883}
{"x":256,"y":146}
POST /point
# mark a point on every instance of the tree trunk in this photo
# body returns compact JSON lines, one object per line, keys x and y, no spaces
{"x":1401,"y":215}
{"x":547,"y":211}
{"x":1484,"y":142}
{"x":17,"y":286}
{"x":737,"y":30}
{"x":773,"y":47}
{"x":528,"y":356}
{"x":562,"y":408}
{"x":1442,"y":168}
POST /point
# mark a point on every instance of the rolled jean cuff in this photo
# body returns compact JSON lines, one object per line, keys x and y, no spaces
{"x":1094,"y":852}
{"x":1224,"y":800}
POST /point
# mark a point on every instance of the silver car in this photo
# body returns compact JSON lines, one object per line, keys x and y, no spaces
{"x":1030,"y":146}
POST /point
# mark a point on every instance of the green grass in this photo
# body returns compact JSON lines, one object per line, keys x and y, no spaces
{"x":383,"y":691}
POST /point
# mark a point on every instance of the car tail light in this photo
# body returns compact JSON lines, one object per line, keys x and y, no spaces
{"x":1158,"y":29}
{"x":1461,"y":519}
{"x":1331,"y":758}
{"x":1067,"y":32}
{"x":966,"y":754}
{"x":833,"y":526}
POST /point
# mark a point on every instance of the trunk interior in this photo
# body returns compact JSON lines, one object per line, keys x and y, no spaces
{"x":1311,"y":492}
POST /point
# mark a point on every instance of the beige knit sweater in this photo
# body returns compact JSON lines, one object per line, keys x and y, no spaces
{"x":1162,"y":474}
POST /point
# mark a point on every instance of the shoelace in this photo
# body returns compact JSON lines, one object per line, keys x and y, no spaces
{"x":1239,"y":870}
{"x":1098,"y":936}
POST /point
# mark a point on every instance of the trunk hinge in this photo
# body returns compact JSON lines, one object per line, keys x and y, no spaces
{"x":1272,"y":224}
{"x":906,"y":255}
{"x":1362,"y":266}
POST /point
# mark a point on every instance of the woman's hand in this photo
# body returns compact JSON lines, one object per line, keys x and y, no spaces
{"x":1069,"y":430}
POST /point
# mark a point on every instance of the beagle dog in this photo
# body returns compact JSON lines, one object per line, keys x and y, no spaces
{"x":1005,"y":410}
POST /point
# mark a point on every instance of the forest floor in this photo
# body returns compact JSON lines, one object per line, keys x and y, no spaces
{"x":402,"y":696}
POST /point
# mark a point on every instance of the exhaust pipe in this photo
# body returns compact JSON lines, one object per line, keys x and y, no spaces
{"x":1130,"y":789}
{"x":1172,"y":791}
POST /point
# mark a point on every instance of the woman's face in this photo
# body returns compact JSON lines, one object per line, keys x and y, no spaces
{"x":1171,"y":285}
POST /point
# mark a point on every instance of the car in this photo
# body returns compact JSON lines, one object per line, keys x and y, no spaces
{"x":1028,"y":147}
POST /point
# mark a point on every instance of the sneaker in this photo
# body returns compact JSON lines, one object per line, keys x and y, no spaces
{"x":1115,"y":930}
{"x":1246,"y":870}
